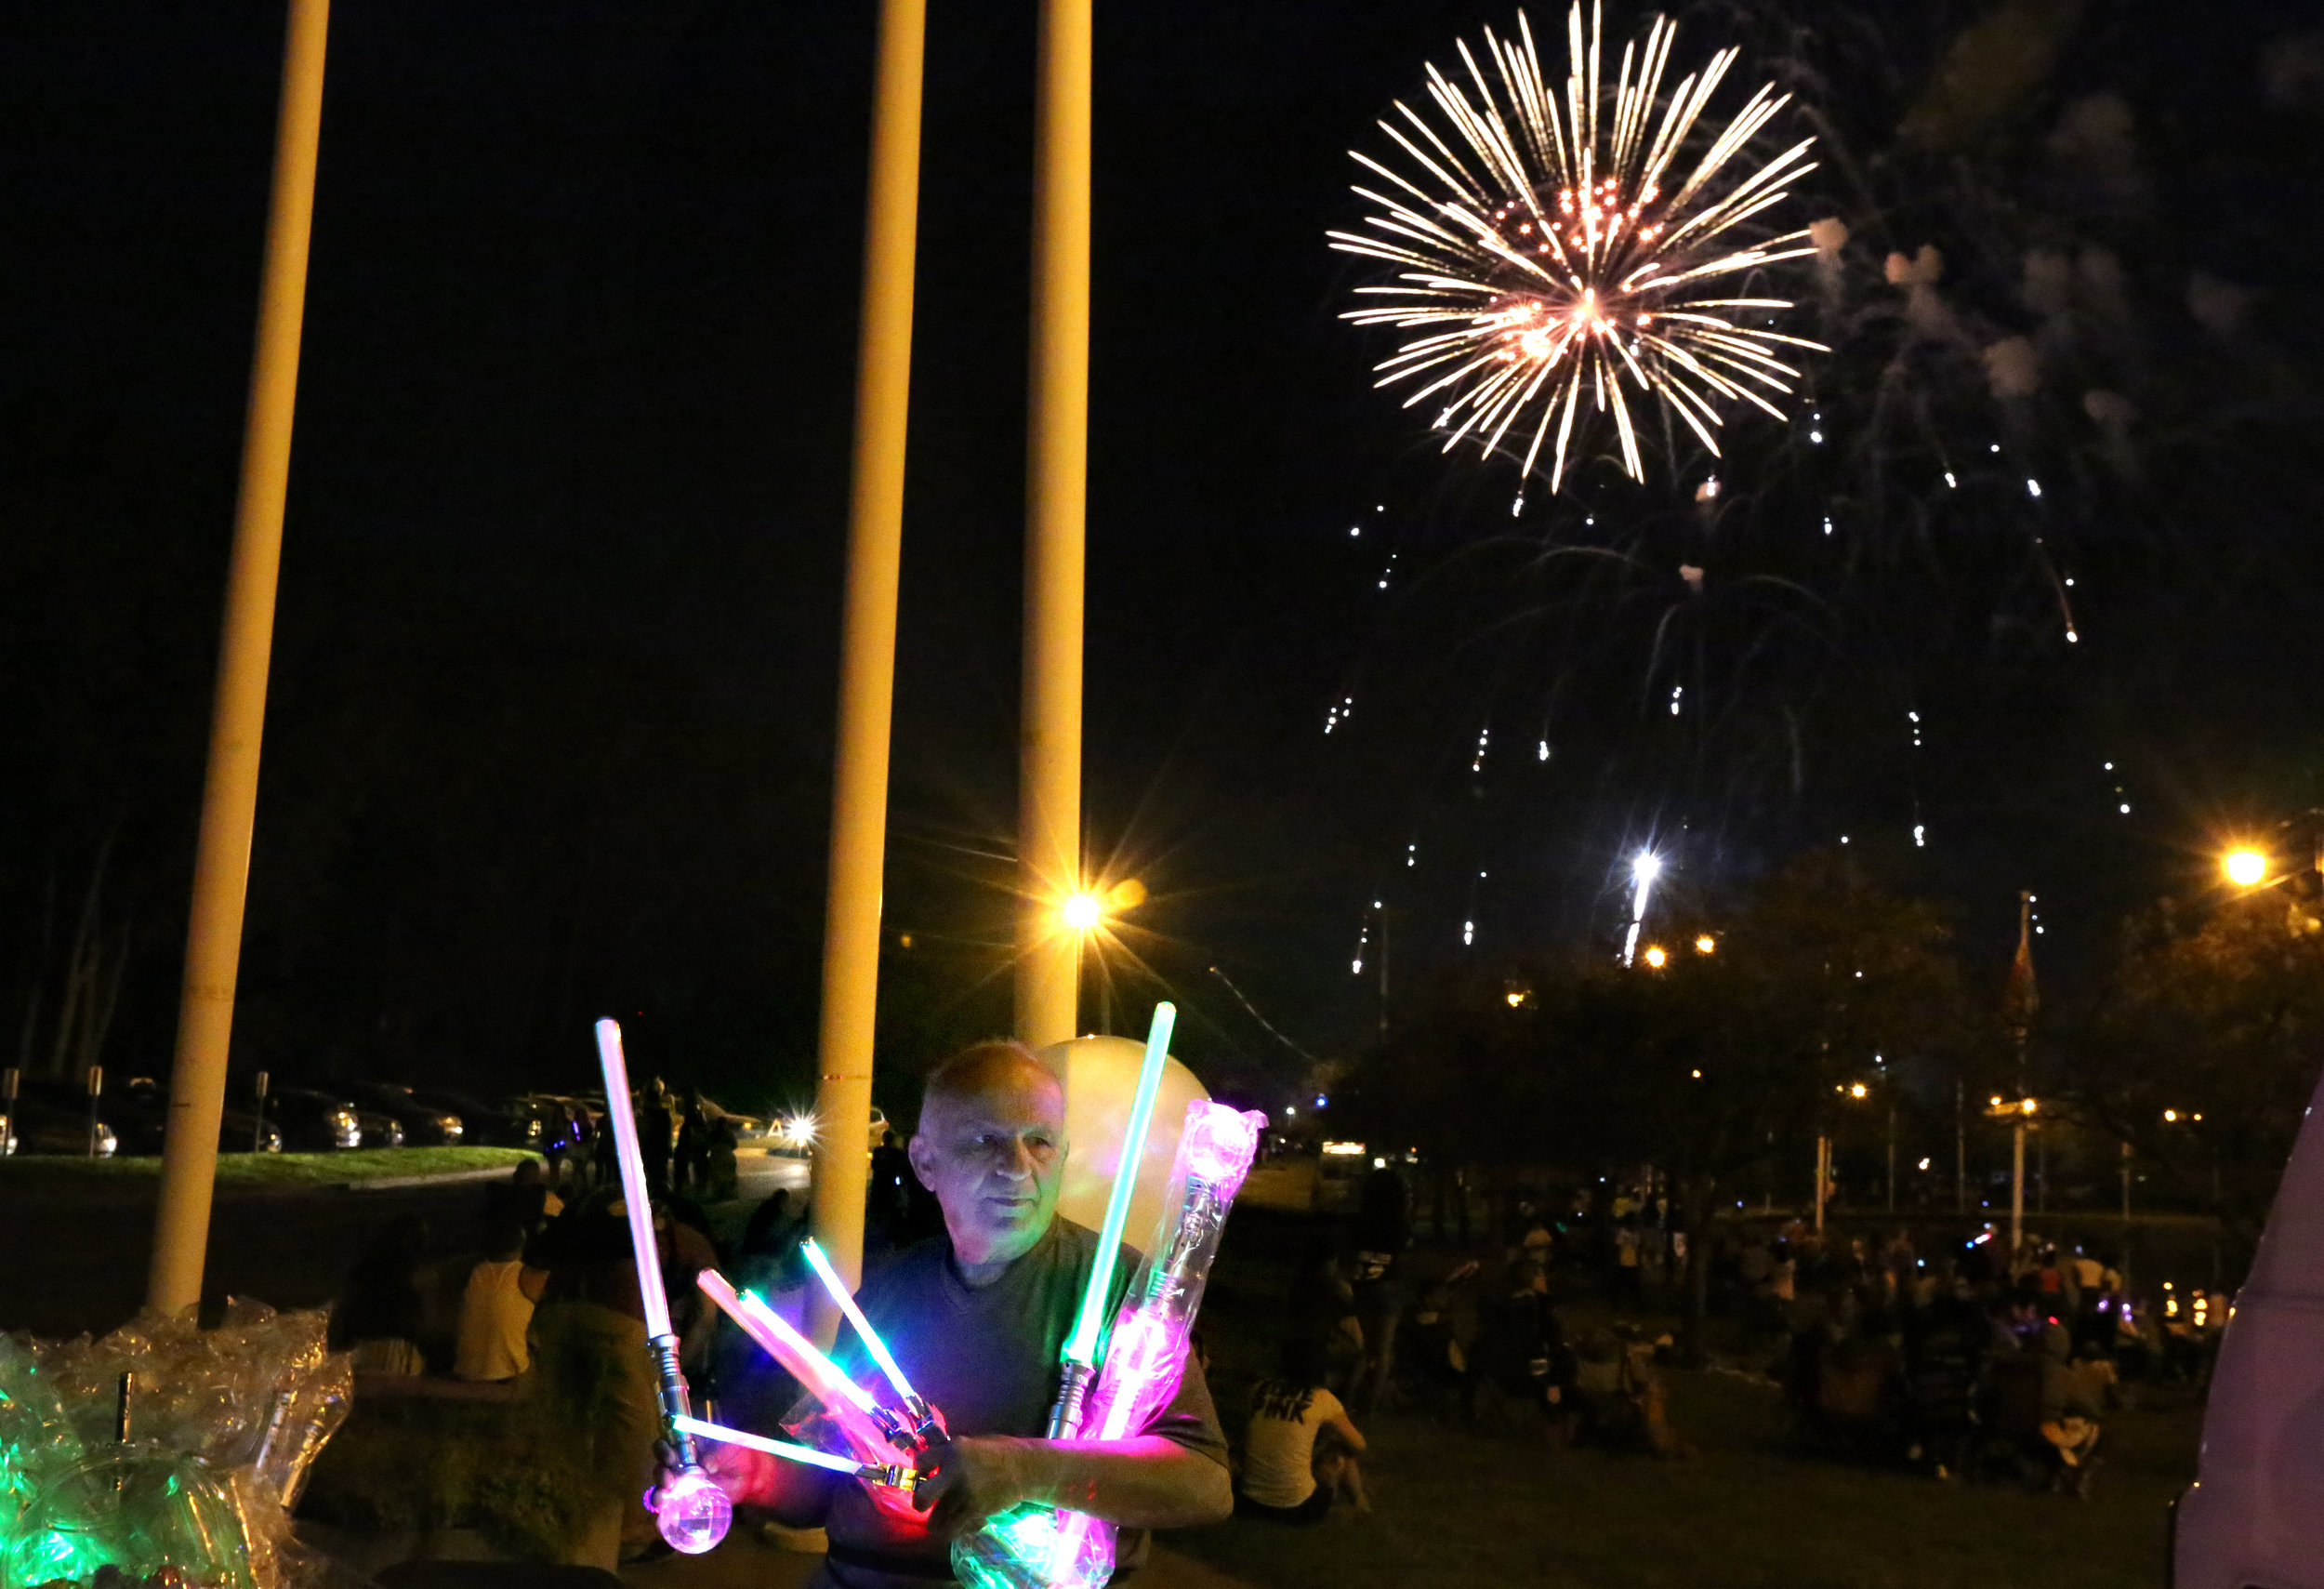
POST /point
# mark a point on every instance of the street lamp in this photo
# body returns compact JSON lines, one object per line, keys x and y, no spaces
{"x":2245,"y":866}
{"x":1657,"y":956}
{"x":1083,"y":912}
{"x":1706,"y":944}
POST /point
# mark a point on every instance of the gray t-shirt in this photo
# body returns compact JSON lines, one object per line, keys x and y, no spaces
{"x":987,"y":1358}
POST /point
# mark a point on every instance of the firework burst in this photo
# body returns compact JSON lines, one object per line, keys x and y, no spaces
{"x":1547,"y":256}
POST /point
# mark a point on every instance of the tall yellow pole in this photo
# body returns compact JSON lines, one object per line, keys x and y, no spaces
{"x":230,"y":794}
{"x":868,"y":649}
{"x":1049,"y":775}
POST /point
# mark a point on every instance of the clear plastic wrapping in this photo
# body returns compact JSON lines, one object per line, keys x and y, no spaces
{"x":1034,"y":1547}
{"x":186,"y":1476}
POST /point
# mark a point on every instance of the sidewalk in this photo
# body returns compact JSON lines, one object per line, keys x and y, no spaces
{"x":743,"y":1562}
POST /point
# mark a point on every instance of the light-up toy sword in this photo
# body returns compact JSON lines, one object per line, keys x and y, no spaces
{"x":850,"y":1405}
{"x":688,"y":1508}
{"x":894,"y":1475}
{"x":915,"y":1425}
{"x":1081,"y":1348}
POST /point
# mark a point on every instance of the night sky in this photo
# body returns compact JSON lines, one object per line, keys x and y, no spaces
{"x":550,"y":717}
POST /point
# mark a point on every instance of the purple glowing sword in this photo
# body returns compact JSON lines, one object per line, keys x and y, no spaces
{"x":688,"y":1508}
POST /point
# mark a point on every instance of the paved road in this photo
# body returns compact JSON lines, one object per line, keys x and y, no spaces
{"x":74,"y":1257}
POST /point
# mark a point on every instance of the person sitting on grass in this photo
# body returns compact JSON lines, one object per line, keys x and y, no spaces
{"x":377,"y":1317}
{"x":496,"y":1310}
{"x":1301,"y":1449}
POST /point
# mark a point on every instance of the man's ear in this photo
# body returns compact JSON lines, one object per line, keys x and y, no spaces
{"x":922,"y":1153}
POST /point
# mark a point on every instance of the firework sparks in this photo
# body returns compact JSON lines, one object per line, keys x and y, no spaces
{"x":1547,"y":255}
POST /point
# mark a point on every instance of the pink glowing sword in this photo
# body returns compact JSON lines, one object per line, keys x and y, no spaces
{"x":688,"y":1508}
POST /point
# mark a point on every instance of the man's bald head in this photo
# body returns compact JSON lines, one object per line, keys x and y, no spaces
{"x":998,"y":1066}
{"x":991,"y":1145}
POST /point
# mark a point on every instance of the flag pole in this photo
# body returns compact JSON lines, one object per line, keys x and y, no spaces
{"x":229,"y":793}
{"x":1057,"y":459}
{"x":867,"y":657}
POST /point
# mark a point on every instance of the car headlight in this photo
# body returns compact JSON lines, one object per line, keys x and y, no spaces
{"x":107,"y":1142}
{"x":451,"y":1125}
{"x":532,"y":1127}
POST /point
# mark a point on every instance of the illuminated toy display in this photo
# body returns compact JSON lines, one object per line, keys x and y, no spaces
{"x":1034,"y":1547}
{"x":691,"y":1511}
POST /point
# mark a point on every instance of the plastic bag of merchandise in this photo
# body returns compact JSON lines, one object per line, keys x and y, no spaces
{"x":37,"y":1442}
{"x":136,"y":1515}
{"x":192,"y":1447}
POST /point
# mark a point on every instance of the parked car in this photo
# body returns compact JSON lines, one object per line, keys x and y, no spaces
{"x":138,"y":1111}
{"x":379,"y":1128}
{"x":312,"y":1121}
{"x":484,"y":1125}
{"x":424,"y":1125}
{"x":37,"y":1126}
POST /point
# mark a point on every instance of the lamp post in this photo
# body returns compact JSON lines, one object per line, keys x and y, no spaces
{"x":229,"y":791}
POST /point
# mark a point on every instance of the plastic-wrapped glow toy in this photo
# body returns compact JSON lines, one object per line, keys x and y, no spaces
{"x":691,"y":1511}
{"x":1034,"y":1547}
{"x":1081,"y":1346}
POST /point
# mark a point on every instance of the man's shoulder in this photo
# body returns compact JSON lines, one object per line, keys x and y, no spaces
{"x":908,"y":1268}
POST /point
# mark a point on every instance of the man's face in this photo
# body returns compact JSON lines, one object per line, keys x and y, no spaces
{"x":996,"y":1160}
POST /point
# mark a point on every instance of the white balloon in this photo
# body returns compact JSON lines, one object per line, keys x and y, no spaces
{"x":1101,"y":1080}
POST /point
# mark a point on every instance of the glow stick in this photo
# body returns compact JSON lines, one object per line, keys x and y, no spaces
{"x":1081,"y":1348}
{"x":691,"y":1511}
{"x":634,"y":1196}
{"x":839,"y":1294}
{"x":915,"y":1426}
{"x":790,"y":1450}
{"x":802,"y":1358}
{"x":850,"y":1405}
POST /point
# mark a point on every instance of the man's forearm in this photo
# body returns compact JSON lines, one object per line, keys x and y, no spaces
{"x":1145,"y":1483}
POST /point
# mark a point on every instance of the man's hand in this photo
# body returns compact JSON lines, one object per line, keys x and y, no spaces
{"x":748,"y":1478}
{"x":965,"y":1481}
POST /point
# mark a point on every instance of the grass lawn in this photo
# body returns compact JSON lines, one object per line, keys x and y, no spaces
{"x":1454,"y":1507}
{"x":1505,"y":1506}
{"x":263,"y":1169}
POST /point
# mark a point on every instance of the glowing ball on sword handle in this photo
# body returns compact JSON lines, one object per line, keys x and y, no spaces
{"x":691,"y":1511}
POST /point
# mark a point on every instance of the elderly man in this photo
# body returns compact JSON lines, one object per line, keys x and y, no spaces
{"x":978,"y":1317}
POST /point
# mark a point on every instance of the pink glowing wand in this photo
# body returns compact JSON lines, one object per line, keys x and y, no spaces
{"x":691,"y":1511}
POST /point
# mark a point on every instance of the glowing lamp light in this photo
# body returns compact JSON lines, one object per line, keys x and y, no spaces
{"x":1516,"y":998}
{"x":1647,"y":866}
{"x":1706,"y":944}
{"x":1082,"y":912}
{"x":2028,"y":1104}
{"x":1859,"y":1090}
{"x":2169,"y":1116}
{"x":2245,"y":868}
{"x":1657,"y":956}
